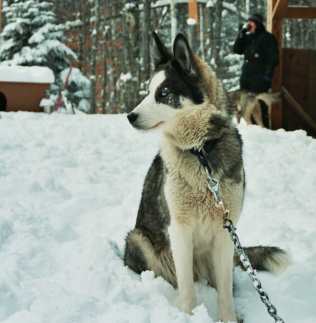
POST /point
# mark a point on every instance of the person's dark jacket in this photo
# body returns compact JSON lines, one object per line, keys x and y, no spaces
{"x":260,"y":50}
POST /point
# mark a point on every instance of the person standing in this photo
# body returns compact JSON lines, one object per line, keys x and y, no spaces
{"x":261,"y":56}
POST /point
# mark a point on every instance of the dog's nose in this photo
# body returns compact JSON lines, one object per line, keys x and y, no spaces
{"x":132,"y":117}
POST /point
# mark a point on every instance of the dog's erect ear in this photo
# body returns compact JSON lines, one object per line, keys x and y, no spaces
{"x":183,"y":53}
{"x":161,"y":53}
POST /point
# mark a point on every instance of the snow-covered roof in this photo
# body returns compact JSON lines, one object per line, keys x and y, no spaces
{"x":26,"y":74}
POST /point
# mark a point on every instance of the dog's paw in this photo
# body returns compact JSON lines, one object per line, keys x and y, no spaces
{"x":186,"y":304}
{"x":230,"y":318}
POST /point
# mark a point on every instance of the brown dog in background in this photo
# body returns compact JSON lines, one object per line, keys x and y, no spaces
{"x":247,"y":105}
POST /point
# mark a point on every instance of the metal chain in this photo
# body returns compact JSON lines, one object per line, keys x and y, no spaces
{"x":214,"y":187}
{"x":229,"y":226}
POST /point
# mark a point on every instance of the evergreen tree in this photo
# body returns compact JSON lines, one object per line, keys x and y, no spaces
{"x":32,"y":36}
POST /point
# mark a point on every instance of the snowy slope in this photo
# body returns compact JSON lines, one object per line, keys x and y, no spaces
{"x":70,"y":187}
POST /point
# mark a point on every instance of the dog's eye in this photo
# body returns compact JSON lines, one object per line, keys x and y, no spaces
{"x":164,"y":92}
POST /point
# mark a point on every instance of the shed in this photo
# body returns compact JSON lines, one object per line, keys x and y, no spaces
{"x":23,"y":87}
{"x":295,"y":75}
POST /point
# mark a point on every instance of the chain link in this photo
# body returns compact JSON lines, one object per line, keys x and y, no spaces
{"x":229,"y":226}
{"x":214,"y":187}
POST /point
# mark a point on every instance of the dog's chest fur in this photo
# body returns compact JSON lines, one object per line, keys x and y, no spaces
{"x":189,"y":199}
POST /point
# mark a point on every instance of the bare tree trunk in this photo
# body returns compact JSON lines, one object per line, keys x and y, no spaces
{"x":113,"y":58}
{"x":211,"y":33}
{"x":202,"y":30}
{"x":239,"y":11}
{"x":218,"y":33}
{"x":105,"y":33}
{"x":173,"y":19}
{"x":1,"y":15}
{"x":247,"y":6}
{"x":95,"y":10}
{"x":134,"y":53}
{"x":81,"y":16}
{"x":146,"y":39}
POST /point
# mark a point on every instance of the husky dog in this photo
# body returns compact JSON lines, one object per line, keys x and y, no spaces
{"x":179,"y":231}
{"x":248,"y":105}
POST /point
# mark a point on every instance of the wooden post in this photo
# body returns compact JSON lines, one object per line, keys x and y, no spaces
{"x":193,"y":10}
{"x":276,"y":11}
{"x":192,"y":22}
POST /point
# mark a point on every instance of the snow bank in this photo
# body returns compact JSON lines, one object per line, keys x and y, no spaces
{"x":26,"y":74}
{"x":70,"y":188}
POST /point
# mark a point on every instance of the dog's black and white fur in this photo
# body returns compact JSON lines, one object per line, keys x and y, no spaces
{"x":179,"y":231}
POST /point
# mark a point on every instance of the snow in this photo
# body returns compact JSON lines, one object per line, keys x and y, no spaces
{"x":70,"y":188}
{"x":26,"y":74}
{"x":211,"y":3}
{"x":191,"y":21}
{"x":129,"y":6}
{"x":126,"y":77}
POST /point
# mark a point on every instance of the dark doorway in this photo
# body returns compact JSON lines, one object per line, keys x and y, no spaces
{"x":3,"y":102}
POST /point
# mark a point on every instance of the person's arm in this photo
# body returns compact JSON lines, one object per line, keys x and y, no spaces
{"x":241,"y":42}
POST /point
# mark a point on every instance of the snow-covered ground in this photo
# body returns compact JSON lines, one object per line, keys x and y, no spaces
{"x":69,"y":193}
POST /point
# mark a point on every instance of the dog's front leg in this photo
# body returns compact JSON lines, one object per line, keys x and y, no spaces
{"x":223,"y":262}
{"x":182,"y":252}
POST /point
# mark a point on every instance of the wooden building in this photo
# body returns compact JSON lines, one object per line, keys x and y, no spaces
{"x":295,"y":77}
{"x":23,"y":88}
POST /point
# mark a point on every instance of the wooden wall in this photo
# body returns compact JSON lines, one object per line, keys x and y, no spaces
{"x":299,"y":78}
{"x":23,"y":96}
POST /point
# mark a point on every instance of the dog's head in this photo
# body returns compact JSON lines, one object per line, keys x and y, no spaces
{"x":176,"y":80}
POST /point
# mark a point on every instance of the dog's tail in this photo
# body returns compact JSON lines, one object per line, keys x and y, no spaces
{"x":271,"y":259}
{"x":269,"y":98}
